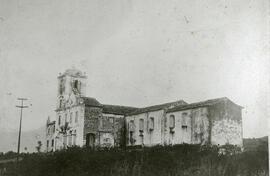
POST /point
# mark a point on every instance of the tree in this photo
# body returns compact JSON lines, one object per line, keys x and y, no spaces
{"x":38,"y":147}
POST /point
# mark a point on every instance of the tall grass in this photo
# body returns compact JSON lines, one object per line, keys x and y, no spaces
{"x":179,"y":160}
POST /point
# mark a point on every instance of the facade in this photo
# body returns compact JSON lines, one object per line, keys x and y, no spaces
{"x":216,"y":121}
{"x":83,"y":121}
{"x":50,"y":135}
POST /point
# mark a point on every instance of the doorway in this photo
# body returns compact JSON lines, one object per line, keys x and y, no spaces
{"x":90,"y":140}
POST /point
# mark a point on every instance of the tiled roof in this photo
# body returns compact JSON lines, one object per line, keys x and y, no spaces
{"x":116,"y":109}
{"x":158,"y":107}
{"x":201,"y":104}
{"x":89,"y":101}
{"x":172,"y":106}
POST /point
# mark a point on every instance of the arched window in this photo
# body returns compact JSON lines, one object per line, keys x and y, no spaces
{"x":76,"y":84}
{"x":62,"y":86}
{"x":141,"y":125}
{"x":59,"y":120}
{"x":151,"y":124}
{"x":172,"y":122}
{"x":60,"y":103}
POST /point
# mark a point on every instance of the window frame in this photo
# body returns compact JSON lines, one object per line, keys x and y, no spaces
{"x":131,"y":126}
{"x":172,"y":121}
{"x":59,"y":120}
{"x":151,"y":126}
{"x":74,"y":138}
{"x":76,"y":117}
{"x":71,"y":117}
{"x":141,"y":125}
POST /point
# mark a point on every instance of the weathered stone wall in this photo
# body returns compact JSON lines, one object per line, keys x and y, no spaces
{"x":179,"y":134}
{"x":226,"y":120}
{"x":147,"y":137}
{"x":200,"y":126}
{"x":106,"y":139}
{"x":118,"y":130}
{"x":91,"y":122}
{"x":110,"y":127}
{"x":191,"y":126}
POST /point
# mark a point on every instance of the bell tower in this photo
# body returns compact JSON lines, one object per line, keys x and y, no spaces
{"x":71,"y":86}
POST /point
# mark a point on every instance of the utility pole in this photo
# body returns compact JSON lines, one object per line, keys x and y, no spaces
{"x":20,"y":128}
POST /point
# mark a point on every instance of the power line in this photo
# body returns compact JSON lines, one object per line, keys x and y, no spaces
{"x":20,"y":127}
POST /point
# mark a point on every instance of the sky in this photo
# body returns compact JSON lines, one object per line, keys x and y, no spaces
{"x":135,"y":53}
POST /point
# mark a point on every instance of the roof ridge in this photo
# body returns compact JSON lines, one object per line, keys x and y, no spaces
{"x":87,"y":97}
{"x":200,"y":103}
{"x":164,"y":104}
{"x":156,"y":107}
{"x":119,"y":106}
{"x":91,"y":101}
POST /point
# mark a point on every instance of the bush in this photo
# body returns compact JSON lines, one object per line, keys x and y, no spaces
{"x":175,"y":160}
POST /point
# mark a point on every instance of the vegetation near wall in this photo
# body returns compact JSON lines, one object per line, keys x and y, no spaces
{"x":179,"y":160}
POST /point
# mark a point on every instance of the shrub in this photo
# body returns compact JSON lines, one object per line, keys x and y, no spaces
{"x":155,"y":161}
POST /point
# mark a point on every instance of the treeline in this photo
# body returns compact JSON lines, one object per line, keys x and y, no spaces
{"x":178,"y":160}
{"x":256,"y":144}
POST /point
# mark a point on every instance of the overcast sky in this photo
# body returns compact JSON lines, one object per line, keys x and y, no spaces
{"x":135,"y":52}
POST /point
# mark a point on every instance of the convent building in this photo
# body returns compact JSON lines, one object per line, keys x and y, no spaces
{"x":84,"y":121}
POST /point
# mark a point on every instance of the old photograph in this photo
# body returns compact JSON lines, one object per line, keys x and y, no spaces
{"x":134,"y":88}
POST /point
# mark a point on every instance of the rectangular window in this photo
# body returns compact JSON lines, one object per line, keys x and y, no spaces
{"x":76,"y":84}
{"x":71,"y":118}
{"x":184,"y":118}
{"x":141,"y":125}
{"x":111,"y":119}
{"x":131,"y":126}
{"x":52,"y":143}
{"x":131,"y":139}
{"x":69,"y":140}
{"x":59,"y":120}
{"x":62,"y":86}
{"x":184,"y":127}
{"x":60,"y":103}
{"x":184,"y":114}
{"x":101,"y":123}
{"x":151,"y":123}
{"x":74,"y":138}
{"x":65,"y":140}
{"x":76,"y":117}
